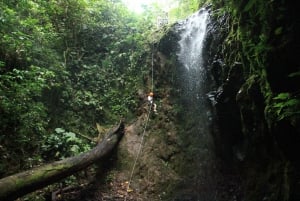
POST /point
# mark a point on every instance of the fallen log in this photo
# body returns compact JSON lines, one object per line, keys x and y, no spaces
{"x":17,"y":185}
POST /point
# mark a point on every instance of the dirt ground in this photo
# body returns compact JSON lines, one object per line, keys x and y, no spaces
{"x":140,"y":168}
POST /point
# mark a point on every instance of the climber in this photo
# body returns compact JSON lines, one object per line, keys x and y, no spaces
{"x":150,"y":100}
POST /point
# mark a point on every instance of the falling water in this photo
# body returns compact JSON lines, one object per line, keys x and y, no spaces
{"x":192,"y":37}
{"x":199,"y":182}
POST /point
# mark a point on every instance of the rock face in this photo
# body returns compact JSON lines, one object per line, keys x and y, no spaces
{"x":219,"y":142}
{"x":206,"y":128}
{"x":251,"y":156}
{"x":260,"y":151}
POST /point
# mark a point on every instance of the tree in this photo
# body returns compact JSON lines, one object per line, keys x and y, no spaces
{"x":14,"y":186}
{"x":64,"y":64}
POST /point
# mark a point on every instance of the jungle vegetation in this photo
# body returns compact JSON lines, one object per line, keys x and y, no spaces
{"x":67,"y":65}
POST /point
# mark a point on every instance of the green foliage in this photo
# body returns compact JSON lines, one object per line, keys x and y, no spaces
{"x":295,"y":74}
{"x":20,"y":91}
{"x":26,"y":34}
{"x":104,"y":71}
{"x":62,"y":144}
{"x":252,"y":30}
{"x":186,"y":8}
{"x":23,"y":115}
{"x":286,"y":106}
{"x":65,"y":64}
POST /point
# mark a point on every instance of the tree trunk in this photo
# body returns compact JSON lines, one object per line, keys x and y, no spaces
{"x":17,"y":185}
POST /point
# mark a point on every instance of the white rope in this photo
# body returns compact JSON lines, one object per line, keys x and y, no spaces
{"x":152,"y":64}
{"x":145,"y":127}
{"x":139,"y":151}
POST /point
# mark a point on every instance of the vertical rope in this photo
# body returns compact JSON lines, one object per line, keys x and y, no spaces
{"x":145,"y":127}
{"x":152,"y":71}
{"x":139,"y":152}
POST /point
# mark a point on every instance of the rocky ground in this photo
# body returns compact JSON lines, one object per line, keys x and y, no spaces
{"x":158,"y":170}
{"x":154,"y":172}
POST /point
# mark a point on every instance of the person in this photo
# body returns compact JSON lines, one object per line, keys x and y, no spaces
{"x":151,"y":102}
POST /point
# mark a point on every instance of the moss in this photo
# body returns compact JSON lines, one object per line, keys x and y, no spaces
{"x":258,"y":38}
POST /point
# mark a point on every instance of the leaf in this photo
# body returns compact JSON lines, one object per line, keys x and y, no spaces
{"x":282,"y":96}
{"x":292,"y":102}
{"x":75,"y":148}
{"x":278,"y":31}
{"x":295,"y":74}
{"x":278,"y":105}
{"x":70,"y":135}
{"x":57,"y":153}
{"x":2,"y":64}
{"x":59,"y":130}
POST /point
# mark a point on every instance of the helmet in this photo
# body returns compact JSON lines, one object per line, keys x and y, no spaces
{"x":151,"y":94}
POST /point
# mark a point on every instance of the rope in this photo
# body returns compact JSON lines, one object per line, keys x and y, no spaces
{"x":145,"y":127}
{"x":152,"y":64}
{"x":139,"y":151}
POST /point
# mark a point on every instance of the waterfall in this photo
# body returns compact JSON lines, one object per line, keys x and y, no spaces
{"x":192,"y":35}
{"x":199,"y":181}
{"x":191,"y":42}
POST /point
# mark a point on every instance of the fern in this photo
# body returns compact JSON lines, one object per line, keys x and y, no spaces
{"x":286,"y":106}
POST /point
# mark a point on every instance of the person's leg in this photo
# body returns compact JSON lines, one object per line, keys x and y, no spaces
{"x":154,"y":107}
